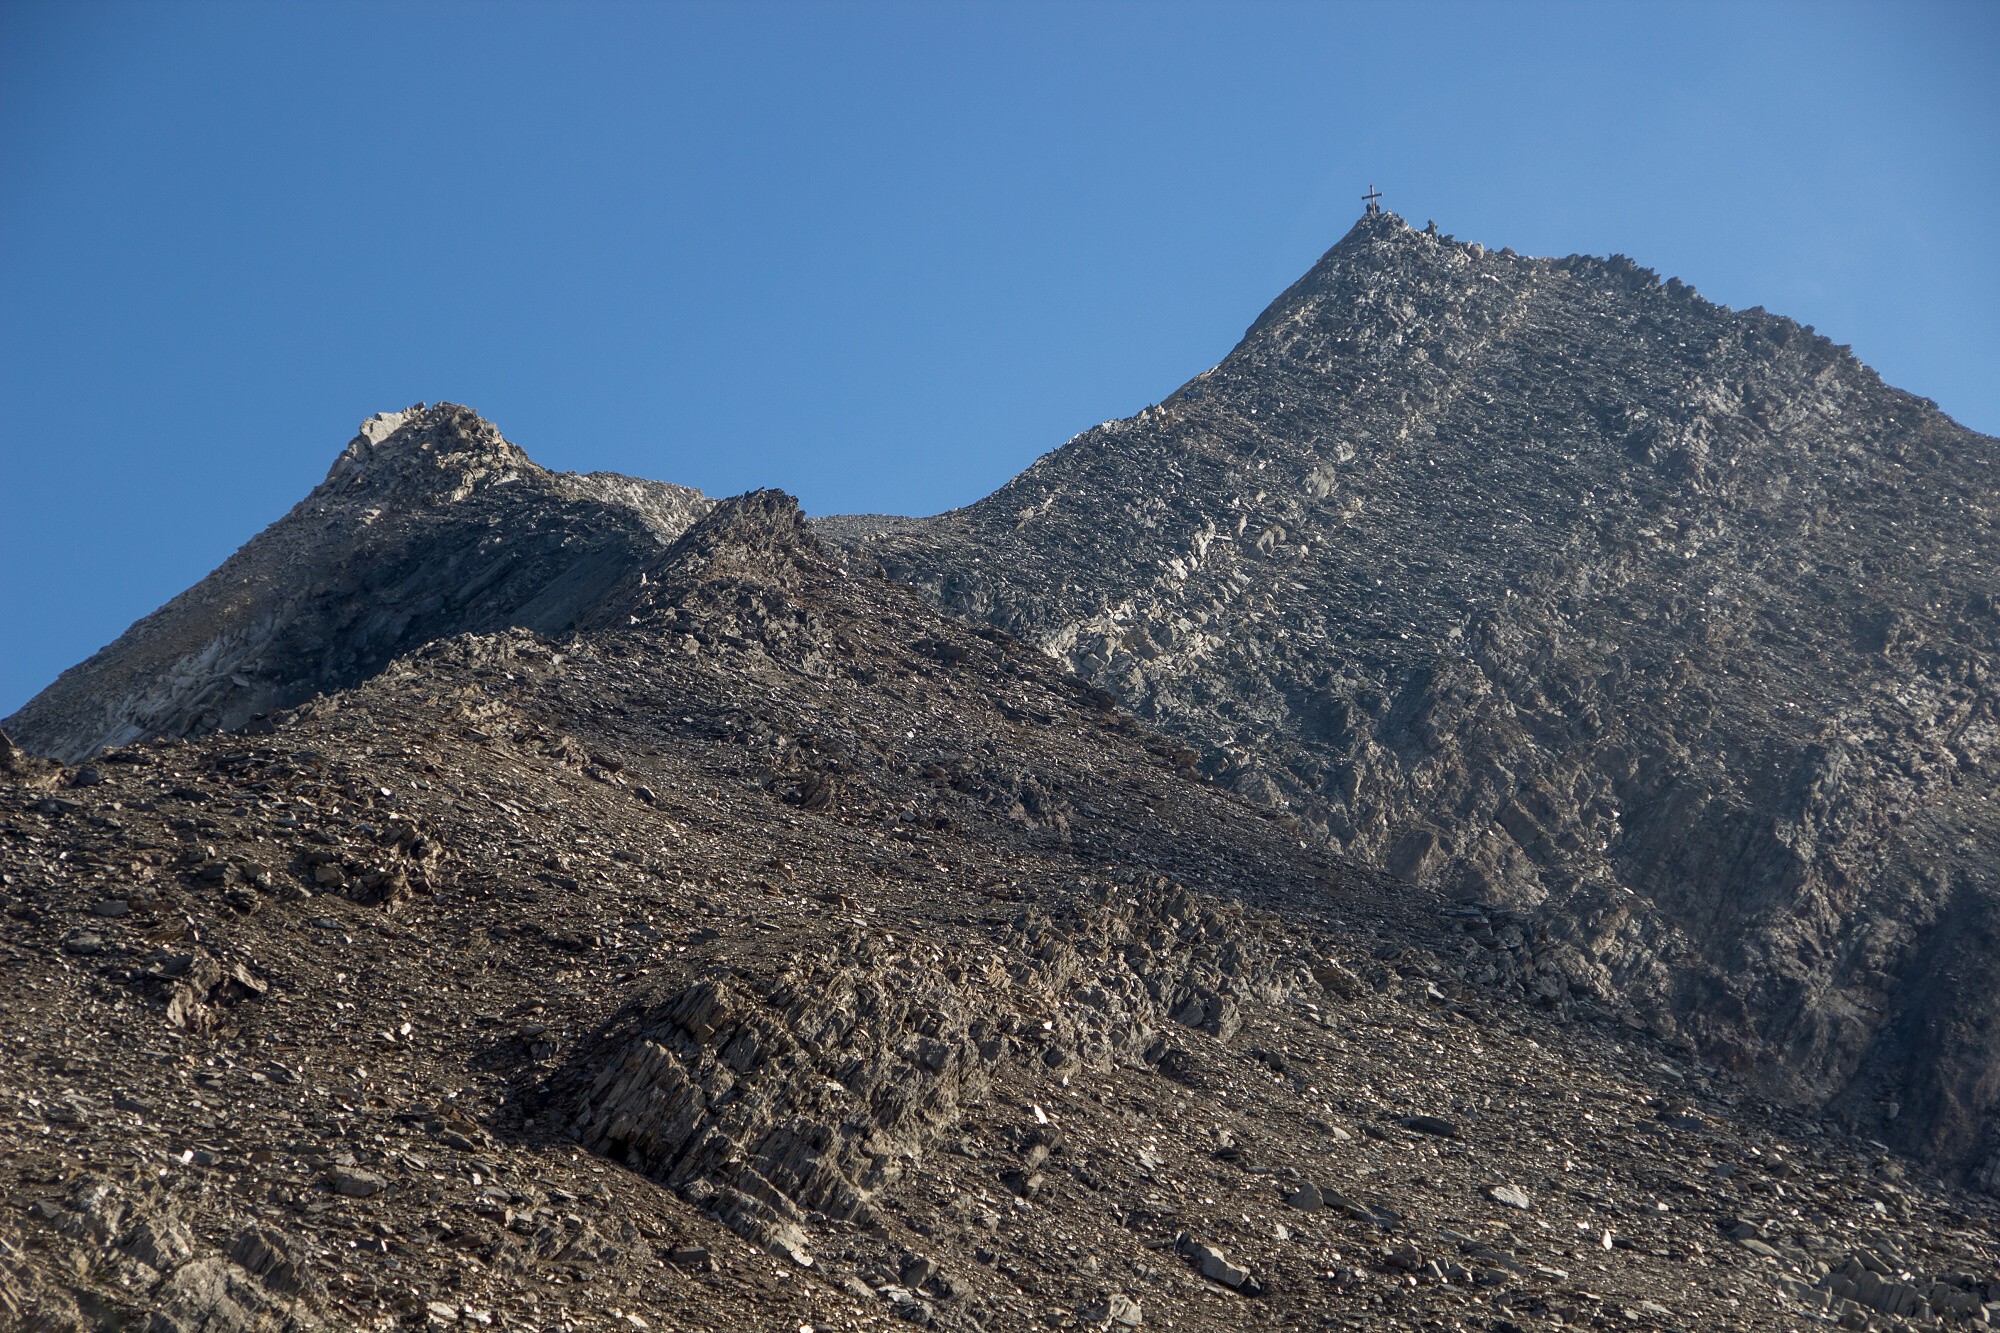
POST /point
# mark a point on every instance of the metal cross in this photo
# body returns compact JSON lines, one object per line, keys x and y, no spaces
{"x":1370,"y":198}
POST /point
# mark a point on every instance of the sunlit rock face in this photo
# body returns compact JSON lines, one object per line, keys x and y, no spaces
{"x":1573,"y":592}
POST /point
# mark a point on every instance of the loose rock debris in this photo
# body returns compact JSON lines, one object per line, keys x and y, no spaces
{"x":422,"y":1015}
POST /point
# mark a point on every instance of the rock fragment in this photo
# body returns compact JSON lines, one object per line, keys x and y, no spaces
{"x":356,"y":1183}
{"x":1114,"y":1308}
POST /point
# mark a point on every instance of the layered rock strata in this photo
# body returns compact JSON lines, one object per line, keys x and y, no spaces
{"x":1572,"y":592}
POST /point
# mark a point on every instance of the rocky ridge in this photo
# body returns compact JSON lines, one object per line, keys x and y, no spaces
{"x":776,"y":952}
{"x":1671,"y":627}
{"x":430,"y":523}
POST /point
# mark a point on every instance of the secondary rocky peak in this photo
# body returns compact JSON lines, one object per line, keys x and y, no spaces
{"x":429,"y":454}
{"x":759,"y":527}
{"x":752,"y":561}
{"x":430,"y":524}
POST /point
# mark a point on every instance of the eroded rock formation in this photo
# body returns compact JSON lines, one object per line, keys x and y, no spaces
{"x":1575,"y":593}
{"x":429,"y":524}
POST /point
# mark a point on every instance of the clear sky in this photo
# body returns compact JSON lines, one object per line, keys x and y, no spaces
{"x":880,"y":255}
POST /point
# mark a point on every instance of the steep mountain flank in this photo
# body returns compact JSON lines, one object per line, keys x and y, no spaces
{"x":429,"y":524}
{"x":776,"y":952}
{"x":1569,"y":591}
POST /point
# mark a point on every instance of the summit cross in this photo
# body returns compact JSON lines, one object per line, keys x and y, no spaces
{"x":1370,"y":199}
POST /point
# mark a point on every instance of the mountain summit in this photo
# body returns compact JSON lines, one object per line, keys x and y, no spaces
{"x":1566,"y":589}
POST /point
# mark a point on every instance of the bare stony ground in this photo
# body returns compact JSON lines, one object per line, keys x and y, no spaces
{"x":770,"y":951}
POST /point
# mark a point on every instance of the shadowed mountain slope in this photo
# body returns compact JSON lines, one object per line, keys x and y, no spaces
{"x":429,"y":524}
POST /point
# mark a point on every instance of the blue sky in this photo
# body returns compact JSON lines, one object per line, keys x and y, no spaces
{"x":880,"y":255}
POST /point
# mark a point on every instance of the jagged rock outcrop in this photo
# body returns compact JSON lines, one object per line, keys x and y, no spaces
{"x":1577,"y":594}
{"x":816,"y":1079}
{"x":132,"y":1239}
{"x":429,"y":524}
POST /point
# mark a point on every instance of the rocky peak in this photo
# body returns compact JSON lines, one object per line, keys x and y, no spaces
{"x":749,"y":556}
{"x":762,"y":527}
{"x":429,"y":524}
{"x":1374,"y":240}
{"x":426,"y":455}
{"x":1551,"y":582}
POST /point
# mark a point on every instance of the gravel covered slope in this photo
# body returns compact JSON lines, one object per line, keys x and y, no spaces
{"x":1566,"y":590}
{"x":775,"y":952}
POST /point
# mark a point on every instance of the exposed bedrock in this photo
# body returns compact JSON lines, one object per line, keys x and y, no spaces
{"x":429,"y":524}
{"x":813,"y":1081}
{"x":1576,"y":593}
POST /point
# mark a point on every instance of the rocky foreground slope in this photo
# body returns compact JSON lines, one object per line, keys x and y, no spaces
{"x":1668,"y":626}
{"x":773,"y":952}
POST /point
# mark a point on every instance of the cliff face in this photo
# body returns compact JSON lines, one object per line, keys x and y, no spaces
{"x":1570,"y":591}
{"x":429,"y":524}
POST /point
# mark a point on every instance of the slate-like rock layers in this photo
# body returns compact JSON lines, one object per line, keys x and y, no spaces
{"x":1576,"y":593}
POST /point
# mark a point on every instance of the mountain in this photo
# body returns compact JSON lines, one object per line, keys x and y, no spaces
{"x":1476,"y":812}
{"x":1567,"y":590}
{"x":429,"y":524}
